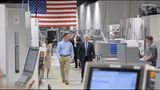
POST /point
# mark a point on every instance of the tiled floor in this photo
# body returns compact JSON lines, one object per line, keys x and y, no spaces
{"x":55,"y":77}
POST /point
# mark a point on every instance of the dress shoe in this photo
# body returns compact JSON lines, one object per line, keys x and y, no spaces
{"x":67,"y":83}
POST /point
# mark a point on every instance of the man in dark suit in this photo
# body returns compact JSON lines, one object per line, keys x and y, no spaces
{"x":86,"y":53}
{"x":76,"y":40}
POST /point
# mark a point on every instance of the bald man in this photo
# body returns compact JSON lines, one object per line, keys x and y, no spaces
{"x":86,"y":53}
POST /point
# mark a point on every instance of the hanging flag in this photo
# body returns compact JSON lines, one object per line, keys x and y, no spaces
{"x":54,"y":13}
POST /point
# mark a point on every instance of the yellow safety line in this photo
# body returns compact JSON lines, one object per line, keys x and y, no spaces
{"x":59,"y":79}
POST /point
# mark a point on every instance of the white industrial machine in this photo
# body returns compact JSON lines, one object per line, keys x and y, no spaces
{"x":128,"y":52}
{"x":151,"y":26}
{"x":107,"y":51}
{"x":15,"y":40}
{"x":132,"y":28}
{"x":29,"y":77}
{"x":114,"y":31}
{"x":120,"y":76}
{"x":120,"y":51}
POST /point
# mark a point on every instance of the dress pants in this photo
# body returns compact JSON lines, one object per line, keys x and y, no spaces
{"x":83,"y":63}
{"x":65,"y":66}
{"x":75,"y":57}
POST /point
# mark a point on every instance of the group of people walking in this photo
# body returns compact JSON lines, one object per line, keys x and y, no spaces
{"x":73,"y":47}
{"x":80,"y":50}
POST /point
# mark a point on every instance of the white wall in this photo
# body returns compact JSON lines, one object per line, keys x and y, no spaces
{"x":155,"y":32}
{"x":155,"y":27}
{"x":118,"y":10}
{"x":100,"y":14}
{"x":110,"y":12}
{"x":16,"y":5}
{"x":2,"y":39}
{"x":28,"y":20}
{"x":88,"y":18}
{"x":97,"y":18}
{"x":34,"y":32}
{"x":81,"y":16}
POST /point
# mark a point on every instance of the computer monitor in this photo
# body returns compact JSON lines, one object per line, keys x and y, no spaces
{"x":105,"y":77}
{"x":31,"y":59}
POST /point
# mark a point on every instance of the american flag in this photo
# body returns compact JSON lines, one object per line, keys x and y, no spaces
{"x":54,"y":13}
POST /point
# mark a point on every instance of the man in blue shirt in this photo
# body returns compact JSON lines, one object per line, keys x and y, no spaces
{"x":65,"y":53}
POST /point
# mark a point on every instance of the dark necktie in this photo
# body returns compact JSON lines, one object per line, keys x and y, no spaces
{"x":86,"y":47}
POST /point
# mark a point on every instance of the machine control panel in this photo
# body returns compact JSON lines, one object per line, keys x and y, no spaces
{"x":150,"y":80}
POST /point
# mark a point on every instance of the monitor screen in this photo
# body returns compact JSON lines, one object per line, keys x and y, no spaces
{"x":31,"y":60}
{"x":114,"y":79}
